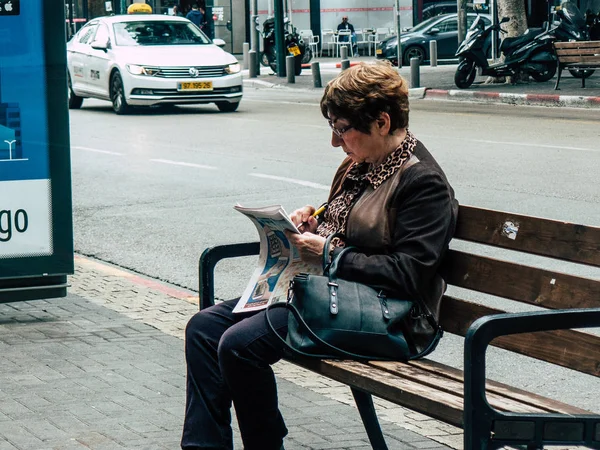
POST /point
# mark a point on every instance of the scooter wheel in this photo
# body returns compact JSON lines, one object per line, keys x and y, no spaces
{"x":547,"y":74}
{"x":264,"y":59}
{"x":465,"y":74}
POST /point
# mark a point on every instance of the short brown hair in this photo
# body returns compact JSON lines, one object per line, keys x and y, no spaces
{"x":362,"y":92}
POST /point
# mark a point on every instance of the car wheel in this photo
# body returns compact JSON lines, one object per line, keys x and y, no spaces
{"x":579,"y":73}
{"x":117,"y":95}
{"x":413,"y":52}
{"x":227,"y":107}
{"x":548,"y":72}
{"x":75,"y":101}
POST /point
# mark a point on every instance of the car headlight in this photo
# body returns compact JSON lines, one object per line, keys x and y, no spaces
{"x":141,"y":70}
{"x":233,"y":68}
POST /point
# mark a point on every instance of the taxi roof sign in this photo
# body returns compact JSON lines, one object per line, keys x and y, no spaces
{"x":139,"y":8}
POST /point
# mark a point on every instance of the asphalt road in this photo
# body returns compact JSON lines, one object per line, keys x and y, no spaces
{"x":154,"y":189}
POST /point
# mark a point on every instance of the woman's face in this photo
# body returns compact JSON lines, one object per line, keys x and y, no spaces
{"x":359,"y":146}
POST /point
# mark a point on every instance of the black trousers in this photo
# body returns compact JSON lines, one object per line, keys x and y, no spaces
{"x":229,"y":359}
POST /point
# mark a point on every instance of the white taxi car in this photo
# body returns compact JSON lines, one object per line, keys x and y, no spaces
{"x":145,"y":60}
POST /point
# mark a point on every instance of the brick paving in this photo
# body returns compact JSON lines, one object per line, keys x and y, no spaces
{"x":104,"y":368}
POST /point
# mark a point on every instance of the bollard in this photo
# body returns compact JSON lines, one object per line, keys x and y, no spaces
{"x":245,"y":50}
{"x":252,"y":64}
{"x":316,"y":73}
{"x":345,"y":64}
{"x":433,"y":53}
{"x":415,"y":77}
{"x":344,"y":52}
{"x":290,"y":69}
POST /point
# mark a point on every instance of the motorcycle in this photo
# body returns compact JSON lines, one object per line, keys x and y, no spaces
{"x":293,"y":43}
{"x":532,"y":53}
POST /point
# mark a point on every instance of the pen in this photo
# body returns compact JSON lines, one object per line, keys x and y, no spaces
{"x":320,"y":211}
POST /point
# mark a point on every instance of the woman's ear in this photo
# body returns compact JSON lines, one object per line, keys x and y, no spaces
{"x":384,"y":123}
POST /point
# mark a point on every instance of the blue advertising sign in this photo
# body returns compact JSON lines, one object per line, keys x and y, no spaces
{"x":34,"y":157}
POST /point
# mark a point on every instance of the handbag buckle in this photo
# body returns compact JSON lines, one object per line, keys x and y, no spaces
{"x":290,"y":292}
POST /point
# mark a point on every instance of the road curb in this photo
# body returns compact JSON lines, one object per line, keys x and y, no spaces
{"x":574,"y":101}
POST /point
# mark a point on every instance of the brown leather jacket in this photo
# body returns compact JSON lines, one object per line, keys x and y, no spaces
{"x":401,"y":231}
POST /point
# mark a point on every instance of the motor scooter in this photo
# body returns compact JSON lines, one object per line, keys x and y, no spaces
{"x":294,"y":45}
{"x":531,"y":53}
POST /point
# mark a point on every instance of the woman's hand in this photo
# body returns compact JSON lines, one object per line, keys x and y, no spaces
{"x":304,"y":220}
{"x":309,"y":245}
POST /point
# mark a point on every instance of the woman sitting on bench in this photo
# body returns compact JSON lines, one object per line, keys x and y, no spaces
{"x":389,"y":197}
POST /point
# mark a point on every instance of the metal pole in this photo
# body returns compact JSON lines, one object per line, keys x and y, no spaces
{"x":279,"y":38}
{"x":495,"y":32}
{"x":252,"y":64}
{"x":433,"y":53}
{"x":398,"y":33}
{"x":345,"y":64}
{"x":415,"y":76}
{"x":290,"y":69}
{"x":254,"y":41}
{"x":462,"y":20}
{"x":344,"y":52}
{"x":316,"y":74}
{"x":245,"y":55}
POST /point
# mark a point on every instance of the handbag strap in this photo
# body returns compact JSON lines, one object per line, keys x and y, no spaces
{"x":338,"y":353}
{"x":326,"y":260}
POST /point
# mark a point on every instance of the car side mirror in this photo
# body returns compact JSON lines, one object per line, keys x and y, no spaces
{"x":434,"y":30}
{"x":505,"y":19}
{"x":103,"y":45}
{"x":219,"y":42}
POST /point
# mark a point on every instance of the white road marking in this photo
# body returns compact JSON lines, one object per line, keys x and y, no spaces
{"x":511,"y":144}
{"x":185,"y":164}
{"x":291,"y":180}
{"x":96,"y":150}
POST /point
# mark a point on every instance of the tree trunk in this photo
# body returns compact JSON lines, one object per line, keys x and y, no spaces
{"x":515,"y":11}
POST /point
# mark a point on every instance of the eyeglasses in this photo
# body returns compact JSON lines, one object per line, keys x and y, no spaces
{"x":339,"y":132}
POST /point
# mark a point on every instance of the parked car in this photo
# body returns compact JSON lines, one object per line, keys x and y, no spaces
{"x":415,"y":42}
{"x":148,"y":60}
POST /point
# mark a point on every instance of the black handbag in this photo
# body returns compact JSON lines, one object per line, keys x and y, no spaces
{"x":341,"y":319}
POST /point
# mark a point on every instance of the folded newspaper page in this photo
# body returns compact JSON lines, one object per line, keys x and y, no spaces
{"x":278,"y":261}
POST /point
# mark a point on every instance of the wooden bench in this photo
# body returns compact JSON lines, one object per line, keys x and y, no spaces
{"x":583,"y":55}
{"x":492,"y":414}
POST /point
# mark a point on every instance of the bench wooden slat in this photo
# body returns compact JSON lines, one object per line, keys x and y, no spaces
{"x":578,"y":44}
{"x":580,"y":59}
{"x":568,"y":348}
{"x":519,"y":282}
{"x":453,"y":386}
{"x":577,"y":51}
{"x":560,"y":240}
{"x":505,"y":390}
{"x":436,"y":404}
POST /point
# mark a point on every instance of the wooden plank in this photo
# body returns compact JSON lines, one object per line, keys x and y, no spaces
{"x":578,"y":44}
{"x":580,"y":59}
{"x":436,"y":404}
{"x":561,"y":240}
{"x":452,"y":386}
{"x":525,"y":284}
{"x":577,"y":51}
{"x":568,"y":348}
{"x":505,"y":390}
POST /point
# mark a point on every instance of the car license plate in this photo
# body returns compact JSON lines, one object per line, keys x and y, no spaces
{"x":379,"y":51}
{"x":294,"y":50}
{"x":195,"y":86}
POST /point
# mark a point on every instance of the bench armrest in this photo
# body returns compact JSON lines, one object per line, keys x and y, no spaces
{"x":209,"y":259}
{"x":478,"y":414}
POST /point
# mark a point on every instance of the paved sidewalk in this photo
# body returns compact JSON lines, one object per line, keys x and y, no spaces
{"x":437,"y":83}
{"x":104,"y":369}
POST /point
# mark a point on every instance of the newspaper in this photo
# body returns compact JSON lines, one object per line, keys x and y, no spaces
{"x":278,"y":261}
